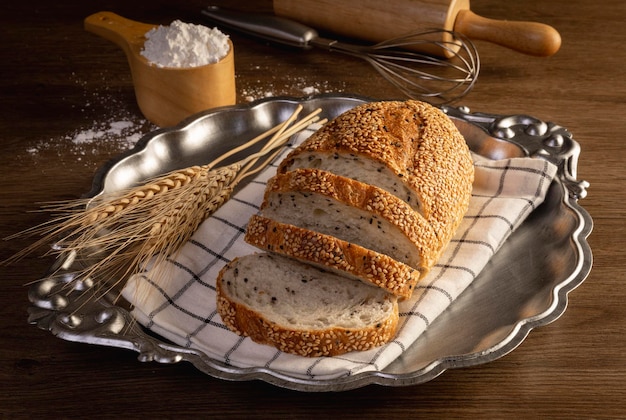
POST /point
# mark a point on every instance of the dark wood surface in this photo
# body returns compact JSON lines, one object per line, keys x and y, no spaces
{"x":58,"y":82}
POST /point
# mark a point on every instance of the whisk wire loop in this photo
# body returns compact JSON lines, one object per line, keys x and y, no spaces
{"x":438,"y":79}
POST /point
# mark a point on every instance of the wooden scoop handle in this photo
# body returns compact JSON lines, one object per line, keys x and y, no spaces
{"x":127,"y":34}
{"x":526,"y":37}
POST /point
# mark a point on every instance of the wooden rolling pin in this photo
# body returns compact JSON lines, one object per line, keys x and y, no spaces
{"x":377,"y":21}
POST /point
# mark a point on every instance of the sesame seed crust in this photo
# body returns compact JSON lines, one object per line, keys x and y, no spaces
{"x":414,"y":140}
{"x":417,"y":174}
{"x":366,"y":197}
{"x":309,"y":343}
{"x":327,"y":251}
{"x":332,"y":341}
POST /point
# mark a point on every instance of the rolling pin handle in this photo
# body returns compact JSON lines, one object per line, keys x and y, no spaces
{"x":526,"y":37}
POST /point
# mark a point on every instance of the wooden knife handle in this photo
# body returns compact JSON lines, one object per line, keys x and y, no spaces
{"x":526,"y":37}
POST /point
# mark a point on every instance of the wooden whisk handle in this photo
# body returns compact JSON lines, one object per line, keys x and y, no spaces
{"x":526,"y":37}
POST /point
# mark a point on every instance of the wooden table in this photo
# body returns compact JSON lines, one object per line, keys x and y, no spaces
{"x":60,"y":85}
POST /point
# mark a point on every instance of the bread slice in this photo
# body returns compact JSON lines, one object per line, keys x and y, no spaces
{"x":354,"y":218}
{"x":333,"y":254}
{"x":409,"y":148}
{"x":352,"y":211}
{"x":301,"y":309}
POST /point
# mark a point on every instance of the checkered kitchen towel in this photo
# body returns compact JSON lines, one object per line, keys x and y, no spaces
{"x":183,"y":308}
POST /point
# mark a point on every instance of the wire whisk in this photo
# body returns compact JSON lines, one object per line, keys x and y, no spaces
{"x":419,"y":75}
{"x":435,"y":65}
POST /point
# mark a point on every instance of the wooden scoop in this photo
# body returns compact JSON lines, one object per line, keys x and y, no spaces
{"x":377,"y":21}
{"x":166,"y":95}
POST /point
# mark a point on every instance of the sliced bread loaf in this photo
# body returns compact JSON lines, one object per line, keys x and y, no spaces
{"x":353,"y":219}
{"x":333,"y":254}
{"x":409,"y":148}
{"x":353,"y":212}
{"x":301,"y":309}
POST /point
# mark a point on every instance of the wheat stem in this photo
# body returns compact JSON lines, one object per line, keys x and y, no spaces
{"x":277,"y":131}
{"x":144,"y":225}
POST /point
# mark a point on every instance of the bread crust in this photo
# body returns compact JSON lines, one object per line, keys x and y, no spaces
{"x":413,"y":142}
{"x":332,"y":253}
{"x":333,"y":341}
{"x":365,"y":197}
{"x":416,"y":141}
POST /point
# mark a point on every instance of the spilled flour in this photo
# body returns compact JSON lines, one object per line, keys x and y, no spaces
{"x":288,"y":86}
{"x":119,"y":125}
{"x":119,"y":131}
{"x":123,"y":132}
{"x":116,"y":130}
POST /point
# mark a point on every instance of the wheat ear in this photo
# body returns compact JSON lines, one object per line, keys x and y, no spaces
{"x":149,"y":223}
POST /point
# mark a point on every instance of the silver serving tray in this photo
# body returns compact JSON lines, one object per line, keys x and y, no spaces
{"x":524,"y":286}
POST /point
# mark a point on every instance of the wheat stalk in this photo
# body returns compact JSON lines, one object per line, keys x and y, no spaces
{"x":151,"y":222}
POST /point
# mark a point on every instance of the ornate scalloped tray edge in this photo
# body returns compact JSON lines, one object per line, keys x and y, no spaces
{"x":505,"y":314}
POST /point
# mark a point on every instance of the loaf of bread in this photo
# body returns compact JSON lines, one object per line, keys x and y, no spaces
{"x":303,"y":310}
{"x":367,"y":203}
{"x":409,"y":148}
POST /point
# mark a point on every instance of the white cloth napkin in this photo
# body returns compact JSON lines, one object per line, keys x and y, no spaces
{"x":183,"y":308}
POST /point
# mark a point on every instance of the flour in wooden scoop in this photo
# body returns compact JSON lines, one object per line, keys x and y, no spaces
{"x":184,"y":45}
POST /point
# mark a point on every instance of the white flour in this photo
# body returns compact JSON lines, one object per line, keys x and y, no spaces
{"x":288,"y":85}
{"x":184,"y":45}
{"x":112,"y":128}
{"x":121,"y":131}
{"x":117,"y":125}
